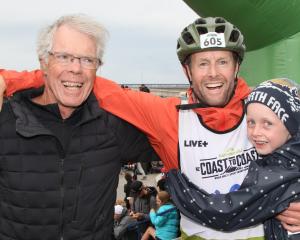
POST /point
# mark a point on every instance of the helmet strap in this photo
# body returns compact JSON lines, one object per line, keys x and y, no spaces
{"x":186,"y":71}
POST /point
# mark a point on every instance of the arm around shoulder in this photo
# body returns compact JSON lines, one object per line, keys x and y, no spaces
{"x":290,"y":218}
{"x":2,"y":90}
{"x":16,"y":81}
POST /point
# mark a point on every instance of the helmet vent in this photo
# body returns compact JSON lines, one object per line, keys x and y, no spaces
{"x":200,"y":21}
{"x":188,"y":38}
{"x":202,"y":30}
{"x":234,"y":36}
{"x":220,"y":20}
{"x":220,"y":29}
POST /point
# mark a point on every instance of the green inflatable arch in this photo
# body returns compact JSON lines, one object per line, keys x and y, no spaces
{"x":272,"y":34}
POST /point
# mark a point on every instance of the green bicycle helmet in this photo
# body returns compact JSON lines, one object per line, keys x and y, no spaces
{"x":210,"y":33}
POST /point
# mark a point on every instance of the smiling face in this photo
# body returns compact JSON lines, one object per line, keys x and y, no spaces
{"x":213,"y":76}
{"x":265,"y":130}
{"x":68,"y":85}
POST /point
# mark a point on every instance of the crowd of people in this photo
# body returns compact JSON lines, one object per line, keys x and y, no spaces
{"x":227,"y":152}
{"x":146,"y":212}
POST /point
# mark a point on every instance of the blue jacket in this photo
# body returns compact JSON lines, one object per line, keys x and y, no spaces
{"x":166,"y":221}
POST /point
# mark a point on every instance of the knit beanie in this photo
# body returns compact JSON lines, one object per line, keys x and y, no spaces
{"x":282,"y":97}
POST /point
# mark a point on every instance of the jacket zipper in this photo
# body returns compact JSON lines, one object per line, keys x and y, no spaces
{"x":62,"y":189}
{"x":77,"y":192}
{"x":62,"y":195}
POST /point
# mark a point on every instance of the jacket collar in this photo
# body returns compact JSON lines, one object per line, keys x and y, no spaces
{"x":28,"y":125}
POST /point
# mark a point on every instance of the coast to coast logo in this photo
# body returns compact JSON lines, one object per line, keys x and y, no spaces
{"x":230,"y":162}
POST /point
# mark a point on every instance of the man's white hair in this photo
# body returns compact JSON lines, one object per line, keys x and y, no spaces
{"x":79,"y":22}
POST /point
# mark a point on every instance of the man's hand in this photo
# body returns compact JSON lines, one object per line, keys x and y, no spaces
{"x":290,"y":218}
{"x":2,"y":90}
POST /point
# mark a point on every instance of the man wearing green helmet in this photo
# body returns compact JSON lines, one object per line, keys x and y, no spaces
{"x":212,"y":73}
{"x":209,"y":131}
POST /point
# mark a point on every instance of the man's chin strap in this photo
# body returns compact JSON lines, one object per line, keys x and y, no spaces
{"x":190,"y":106}
{"x":185,"y":66}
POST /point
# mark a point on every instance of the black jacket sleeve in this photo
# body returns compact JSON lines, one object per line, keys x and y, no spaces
{"x":133,"y":143}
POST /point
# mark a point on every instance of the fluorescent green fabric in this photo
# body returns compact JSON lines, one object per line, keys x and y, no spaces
{"x":271,"y":30}
{"x":280,"y":59}
{"x":185,"y":237}
{"x":262,"y":22}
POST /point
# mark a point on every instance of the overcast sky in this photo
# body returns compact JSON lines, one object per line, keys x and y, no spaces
{"x":142,"y":43}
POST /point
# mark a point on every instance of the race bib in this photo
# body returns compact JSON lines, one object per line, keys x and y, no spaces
{"x":212,"y":39}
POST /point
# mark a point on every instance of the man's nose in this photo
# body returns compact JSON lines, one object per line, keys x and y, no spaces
{"x":75,"y":64}
{"x":212,"y":70}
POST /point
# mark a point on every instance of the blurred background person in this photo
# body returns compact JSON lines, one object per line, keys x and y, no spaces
{"x":122,"y":221}
{"x":165,"y":220}
{"x":127,"y":188}
{"x":144,"y":199}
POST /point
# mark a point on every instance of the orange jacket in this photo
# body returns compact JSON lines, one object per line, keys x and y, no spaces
{"x":157,"y":117}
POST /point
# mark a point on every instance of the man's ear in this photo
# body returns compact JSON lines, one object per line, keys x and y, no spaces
{"x":43,"y":66}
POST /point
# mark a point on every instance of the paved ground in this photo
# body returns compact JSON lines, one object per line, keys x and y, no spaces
{"x":149,"y":181}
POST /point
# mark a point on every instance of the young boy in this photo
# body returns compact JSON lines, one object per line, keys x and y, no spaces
{"x":272,"y":182}
{"x":272,"y":114}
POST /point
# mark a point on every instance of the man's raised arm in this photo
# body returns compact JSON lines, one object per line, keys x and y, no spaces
{"x":12,"y":81}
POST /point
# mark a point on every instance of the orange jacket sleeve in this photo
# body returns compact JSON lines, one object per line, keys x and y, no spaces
{"x":16,"y":81}
{"x":155,"y":116}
